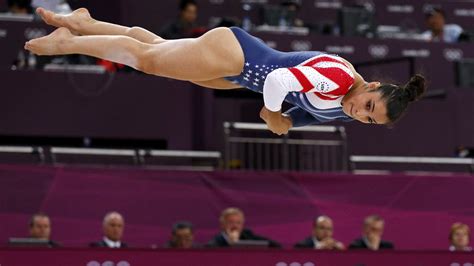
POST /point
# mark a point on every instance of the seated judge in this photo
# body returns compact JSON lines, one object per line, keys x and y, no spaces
{"x":459,"y":236}
{"x":322,"y":236}
{"x":113,"y":226}
{"x":40,"y":228}
{"x":182,"y":236}
{"x":232,"y":222}
{"x":372,"y":235}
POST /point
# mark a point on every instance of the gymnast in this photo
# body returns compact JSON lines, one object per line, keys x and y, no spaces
{"x":322,"y":87}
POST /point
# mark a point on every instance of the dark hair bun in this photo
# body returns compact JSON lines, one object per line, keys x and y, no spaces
{"x":415,"y":88}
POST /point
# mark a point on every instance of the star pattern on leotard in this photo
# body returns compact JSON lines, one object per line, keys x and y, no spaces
{"x":256,"y":74}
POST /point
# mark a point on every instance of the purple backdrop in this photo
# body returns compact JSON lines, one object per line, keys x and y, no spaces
{"x":78,"y":257}
{"x":418,"y":209}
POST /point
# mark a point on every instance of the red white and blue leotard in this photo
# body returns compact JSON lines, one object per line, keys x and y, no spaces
{"x":314,"y":82}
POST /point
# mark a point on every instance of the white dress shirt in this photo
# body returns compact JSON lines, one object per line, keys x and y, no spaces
{"x":453,"y":248}
{"x":451,"y":33}
{"x":112,"y":244}
{"x":317,"y":244}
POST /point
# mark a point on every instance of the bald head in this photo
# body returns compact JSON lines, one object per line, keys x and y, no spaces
{"x":323,"y":220}
{"x":112,"y":216}
{"x":113,"y":226}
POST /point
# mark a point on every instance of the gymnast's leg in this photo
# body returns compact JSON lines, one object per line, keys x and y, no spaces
{"x":80,"y":22}
{"x":214,"y":55}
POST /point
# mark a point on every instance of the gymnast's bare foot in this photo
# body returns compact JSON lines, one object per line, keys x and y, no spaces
{"x":53,"y":44}
{"x":74,"y":21}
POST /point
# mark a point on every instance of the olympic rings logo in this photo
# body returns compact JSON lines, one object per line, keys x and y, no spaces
{"x":459,"y":264}
{"x":294,"y":264}
{"x":452,"y":54}
{"x":301,"y":45}
{"x":108,"y":263}
{"x":378,"y":51}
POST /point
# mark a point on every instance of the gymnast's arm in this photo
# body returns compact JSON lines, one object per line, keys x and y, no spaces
{"x":299,"y":117}
{"x":282,"y":123}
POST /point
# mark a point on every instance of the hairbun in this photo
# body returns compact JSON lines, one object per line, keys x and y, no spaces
{"x":415,"y":88}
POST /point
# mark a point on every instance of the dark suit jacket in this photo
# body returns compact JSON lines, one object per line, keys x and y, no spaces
{"x":53,"y":244}
{"x":170,"y":244}
{"x":359,"y":243}
{"x":306,"y":243}
{"x":220,"y":241}
{"x":102,"y":244}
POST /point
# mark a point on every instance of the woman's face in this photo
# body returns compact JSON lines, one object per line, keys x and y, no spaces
{"x":366,"y":105}
{"x":460,"y":238}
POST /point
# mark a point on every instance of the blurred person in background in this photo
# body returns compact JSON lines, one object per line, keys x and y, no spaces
{"x":438,"y":29}
{"x":40,"y":228}
{"x":372,"y":235}
{"x":113,"y":226}
{"x":182,"y":236}
{"x":459,"y":236}
{"x":322,"y":237}
{"x":464,"y":152}
{"x":185,"y":25}
{"x":57,"y":6}
{"x":232,"y":223}
{"x":292,"y":8}
{"x":19,"y":7}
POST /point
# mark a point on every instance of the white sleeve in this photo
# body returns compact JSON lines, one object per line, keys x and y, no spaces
{"x":277,"y":85}
{"x":457,"y":31}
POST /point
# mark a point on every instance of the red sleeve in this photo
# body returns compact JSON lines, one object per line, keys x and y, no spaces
{"x":335,"y":72}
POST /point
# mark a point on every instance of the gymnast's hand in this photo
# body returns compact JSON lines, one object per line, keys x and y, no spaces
{"x":276,"y":122}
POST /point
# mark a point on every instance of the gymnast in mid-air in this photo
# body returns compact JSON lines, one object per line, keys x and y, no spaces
{"x":322,"y":87}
